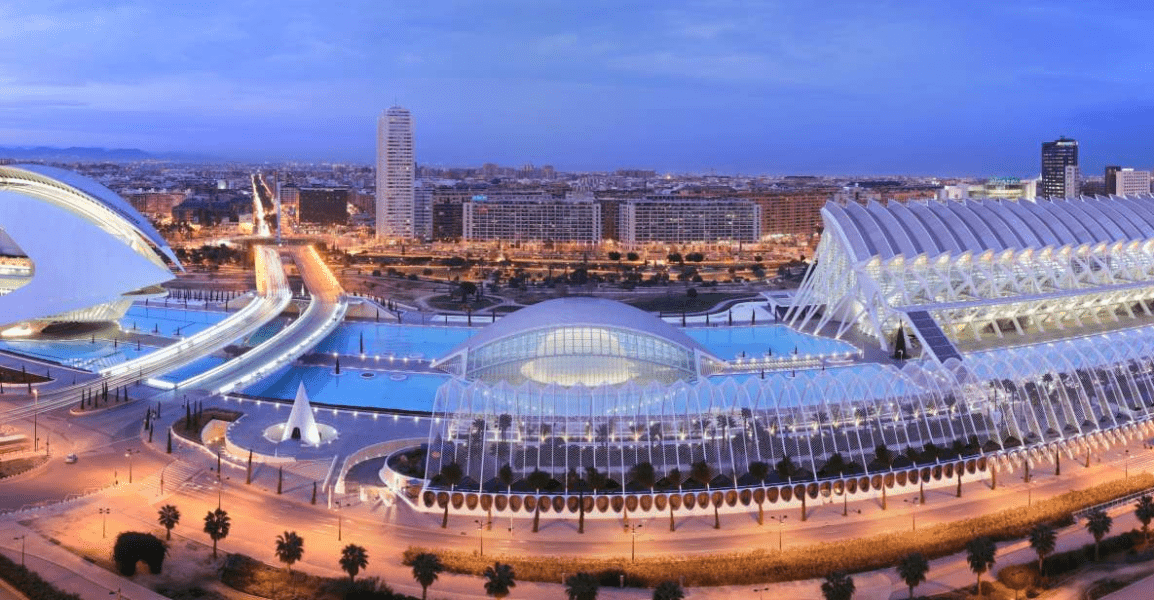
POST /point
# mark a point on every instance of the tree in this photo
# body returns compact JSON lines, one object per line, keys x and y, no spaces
{"x":168,"y":516}
{"x":1098,"y":523}
{"x":632,"y":256}
{"x":499,"y":580}
{"x":1144,"y":510}
{"x":912,"y":568}
{"x":701,"y":472}
{"x":1043,"y":539}
{"x":216,"y":525}
{"x":643,"y":474}
{"x":452,"y":475}
{"x":837,"y":586}
{"x":581,"y":586}
{"x":614,"y":256}
{"x":289,"y":549}
{"x":785,"y":468}
{"x":668,"y":590}
{"x":426,"y":567}
{"x":132,"y":547}
{"x":537,"y":480}
{"x":759,"y":470}
{"x":980,"y":554}
{"x":353,"y":559}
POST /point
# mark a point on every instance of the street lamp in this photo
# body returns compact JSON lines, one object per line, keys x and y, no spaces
{"x":481,"y":532}
{"x":21,"y":538}
{"x":104,"y":512}
{"x":35,"y":423}
{"x":1126,"y":474}
{"x":780,"y":525}
{"x":340,"y":520}
{"x":913,"y":502}
{"x":761,"y":592}
{"x":128,"y":454}
{"x":633,"y":527}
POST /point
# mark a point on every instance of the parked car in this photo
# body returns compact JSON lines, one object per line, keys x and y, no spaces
{"x":71,"y":458}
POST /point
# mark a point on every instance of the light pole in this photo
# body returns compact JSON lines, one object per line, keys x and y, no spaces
{"x":913,"y":502}
{"x":633,"y":527}
{"x":35,"y":422}
{"x":340,"y":520}
{"x":104,"y":512}
{"x":761,"y":592}
{"x":1126,"y":474}
{"x":780,"y":525}
{"x":481,"y":533}
{"x":21,"y":538}
{"x":128,"y":454}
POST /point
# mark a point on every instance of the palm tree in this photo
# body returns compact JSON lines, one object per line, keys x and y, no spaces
{"x":980,"y":554}
{"x":643,"y":474}
{"x":1043,"y":539}
{"x":499,"y":580}
{"x":581,"y":586}
{"x":289,"y":549}
{"x":701,"y":472}
{"x":353,"y":559}
{"x":912,"y":569}
{"x":668,"y":590}
{"x":426,"y":567}
{"x":216,"y":525}
{"x":1144,"y":510}
{"x":537,"y":480}
{"x":1098,"y":523}
{"x":452,"y":475}
{"x":759,"y":471}
{"x":837,"y":586}
{"x":168,"y":516}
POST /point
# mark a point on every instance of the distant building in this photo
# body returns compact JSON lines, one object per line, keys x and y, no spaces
{"x":154,"y":203}
{"x":448,"y":219}
{"x":1008,"y":188}
{"x":1058,"y":179}
{"x":423,"y":212}
{"x":1111,"y":177}
{"x":670,"y":219}
{"x":1129,"y":182}
{"x":543,"y":217}
{"x":794,"y":212}
{"x":395,"y":174}
{"x":323,"y":205}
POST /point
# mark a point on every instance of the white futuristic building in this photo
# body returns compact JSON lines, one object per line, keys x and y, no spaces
{"x":72,"y":250}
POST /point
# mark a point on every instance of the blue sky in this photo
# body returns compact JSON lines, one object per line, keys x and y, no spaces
{"x":925,"y":87}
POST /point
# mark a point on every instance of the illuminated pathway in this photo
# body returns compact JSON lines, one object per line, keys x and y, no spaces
{"x":325,"y":311}
{"x":273,"y":295}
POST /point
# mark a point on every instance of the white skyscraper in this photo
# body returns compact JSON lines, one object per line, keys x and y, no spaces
{"x":395,"y":174}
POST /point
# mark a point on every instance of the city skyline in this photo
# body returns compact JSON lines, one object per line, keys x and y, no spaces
{"x":686,"y":89}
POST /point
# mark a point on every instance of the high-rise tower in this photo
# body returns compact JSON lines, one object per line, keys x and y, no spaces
{"x":1058,"y":180}
{"x":395,"y":174}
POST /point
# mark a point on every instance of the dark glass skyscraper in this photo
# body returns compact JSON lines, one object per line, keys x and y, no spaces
{"x":1057,"y":180}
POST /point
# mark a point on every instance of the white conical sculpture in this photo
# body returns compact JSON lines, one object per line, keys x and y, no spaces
{"x":301,"y":425}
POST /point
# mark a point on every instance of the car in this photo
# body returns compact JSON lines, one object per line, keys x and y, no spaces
{"x":71,"y":458}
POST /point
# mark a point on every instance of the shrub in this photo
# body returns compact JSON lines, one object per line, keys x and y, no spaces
{"x":814,"y":561}
{"x":132,"y":547}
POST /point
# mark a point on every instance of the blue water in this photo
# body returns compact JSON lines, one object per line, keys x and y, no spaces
{"x":78,"y":353}
{"x":264,"y":332}
{"x":196,"y":367}
{"x":398,"y":340}
{"x":414,"y":392}
{"x":168,"y":322}
{"x":756,"y":341}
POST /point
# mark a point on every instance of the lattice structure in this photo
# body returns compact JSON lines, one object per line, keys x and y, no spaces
{"x":981,"y":267}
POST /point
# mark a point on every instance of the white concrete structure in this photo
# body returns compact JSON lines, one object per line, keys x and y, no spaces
{"x":538,"y":217}
{"x":87,"y":254}
{"x":301,"y":424}
{"x":395,"y":175}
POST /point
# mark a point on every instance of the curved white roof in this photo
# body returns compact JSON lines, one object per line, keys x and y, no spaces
{"x":576,"y":311}
{"x":106,"y":197}
{"x":976,"y":225}
{"x":88,"y":248}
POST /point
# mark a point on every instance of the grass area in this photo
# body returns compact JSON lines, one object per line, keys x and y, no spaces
{"x":816,"y":560}
{"x":453,"y":303}
{"x":8,"y":468}
{"x":30,"y":583}
{"x":20,"y":377}
{"x":250,"y":576}
{"x":680,"y":302}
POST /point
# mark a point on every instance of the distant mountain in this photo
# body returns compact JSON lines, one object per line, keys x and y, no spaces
{"x":82,"y":154}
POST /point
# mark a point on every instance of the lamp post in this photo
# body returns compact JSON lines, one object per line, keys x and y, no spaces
{"x":340,"y":520}
{"x":35,"y":423}
{"x":780,"y":525}
{"x":1126,"y":473}
{"x":913,"y":502}
{"x":761,"y":592}
{"x":104,"y":512}
{"x":128,"y":454}
{"x":481,"y":533}
{"x":21,"y":538}
{"x":633,"y":527}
